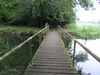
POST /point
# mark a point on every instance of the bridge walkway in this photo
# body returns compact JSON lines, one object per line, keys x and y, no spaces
{"x":51,"y":58}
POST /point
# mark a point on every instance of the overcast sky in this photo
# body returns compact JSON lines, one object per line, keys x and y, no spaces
{"x":91,"y":15}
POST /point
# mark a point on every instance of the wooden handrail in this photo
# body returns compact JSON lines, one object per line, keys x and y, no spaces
{"x":21,"y":44}
{"x":91,"y":53}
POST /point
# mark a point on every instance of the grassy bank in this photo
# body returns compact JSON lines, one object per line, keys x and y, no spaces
{"x":84,"y":31}
{"x":17,"y":30}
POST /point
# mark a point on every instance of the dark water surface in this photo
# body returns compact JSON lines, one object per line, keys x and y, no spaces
{"x":16,"y":63}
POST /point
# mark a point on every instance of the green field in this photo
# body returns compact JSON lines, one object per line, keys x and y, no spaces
{"x":17,"y":30}
{"x":78,"y":30}
{"x":84,"y":31}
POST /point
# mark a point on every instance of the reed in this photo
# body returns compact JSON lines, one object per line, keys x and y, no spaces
{"x":84,"y":31}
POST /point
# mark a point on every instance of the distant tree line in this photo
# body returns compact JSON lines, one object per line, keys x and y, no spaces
{"x":38,"y":12}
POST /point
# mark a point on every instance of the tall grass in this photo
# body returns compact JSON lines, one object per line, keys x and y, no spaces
{"x":84,"y":31}
{"x":17,"y":30}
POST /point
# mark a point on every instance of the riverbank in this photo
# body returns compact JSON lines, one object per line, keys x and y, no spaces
{"x":79,"y":31}
{"x":84,"y":31}
{"x":17,"y":30}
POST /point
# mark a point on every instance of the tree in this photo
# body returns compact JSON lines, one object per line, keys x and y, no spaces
{"x":38,"y":12}
{"x":6,"y":6}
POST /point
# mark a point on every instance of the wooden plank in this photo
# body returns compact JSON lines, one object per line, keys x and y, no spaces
{"x":65,"y":71}
{"x":41,"y":73}
{"x":51,"y":67}
{"x":51,"y":58}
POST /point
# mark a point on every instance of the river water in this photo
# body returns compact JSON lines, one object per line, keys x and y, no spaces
{"x":88,"y":67}
{"x":91,"y":66}
{"x":16,"y":63}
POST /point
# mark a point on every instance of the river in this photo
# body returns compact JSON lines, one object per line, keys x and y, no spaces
{"x":16,"y":63}
{"x":91,"y":66}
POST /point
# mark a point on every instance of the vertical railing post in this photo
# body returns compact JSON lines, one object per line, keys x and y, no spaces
{"x":39,"y":39}
{"x":46,"y":30}
{"x":74,"y":52}
{"x":66,"y":39}
{"x":30,"y":47}
{"x":44,"y":33}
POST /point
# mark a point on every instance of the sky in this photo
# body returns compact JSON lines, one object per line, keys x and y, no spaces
{"x":91,"y":15}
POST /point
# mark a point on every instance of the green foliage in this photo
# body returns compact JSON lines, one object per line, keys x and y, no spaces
{"x":2,"y":46}
{"x":6,"y":6}
{"x":17,"y":30}
{"x":84,"y":31}
{"x":12,"y":71}
{"x":16,"y":63}
{"x":1,"y":40}
{"x":52,"y":11}
{"x":86,"y":4}
{"x":38,"y":12}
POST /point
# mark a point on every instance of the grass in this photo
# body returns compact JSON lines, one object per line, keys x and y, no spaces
{"x":84,"y":31}
{"x":17,"y":30}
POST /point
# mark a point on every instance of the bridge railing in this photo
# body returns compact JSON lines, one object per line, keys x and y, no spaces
{"x":75,"y":41}
{"x":21,"y":53}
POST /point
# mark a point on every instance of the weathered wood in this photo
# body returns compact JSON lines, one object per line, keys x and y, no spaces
{"x":74,"y":52}
{"x":40,"y":39}
{"x":89,"y":51}
{"x":30,"y":48}
{"x":20,"y":45}
{"x":51,"y":58}
{"x":43,"y":73}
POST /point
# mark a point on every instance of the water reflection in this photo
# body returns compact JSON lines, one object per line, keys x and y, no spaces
{"x":81,"y":57}
{"x":16,"y":63}
{"x":9,"y":42}
{"x":92,"y":66}
{"x":84,"y":62}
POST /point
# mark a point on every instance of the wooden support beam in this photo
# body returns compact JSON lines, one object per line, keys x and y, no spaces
{"x":74,"y":52}
{"x":30,"y":48}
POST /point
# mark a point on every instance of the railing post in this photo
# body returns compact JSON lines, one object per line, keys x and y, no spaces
{"x":46,"y":24}
{"x":74,"y":52}
{"x":30,"y":47}
{"x":44,"y":34}
{"x":39,"y":39}
{"x":47,"y":29}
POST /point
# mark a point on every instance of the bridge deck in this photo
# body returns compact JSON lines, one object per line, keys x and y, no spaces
{"x":51,"y":58}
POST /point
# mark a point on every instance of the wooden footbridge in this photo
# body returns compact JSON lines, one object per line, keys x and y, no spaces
{"x":51,"y":58}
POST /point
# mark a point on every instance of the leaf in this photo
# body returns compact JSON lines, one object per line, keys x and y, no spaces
{"x":1,"y":16}
{"x":3,"y":7}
